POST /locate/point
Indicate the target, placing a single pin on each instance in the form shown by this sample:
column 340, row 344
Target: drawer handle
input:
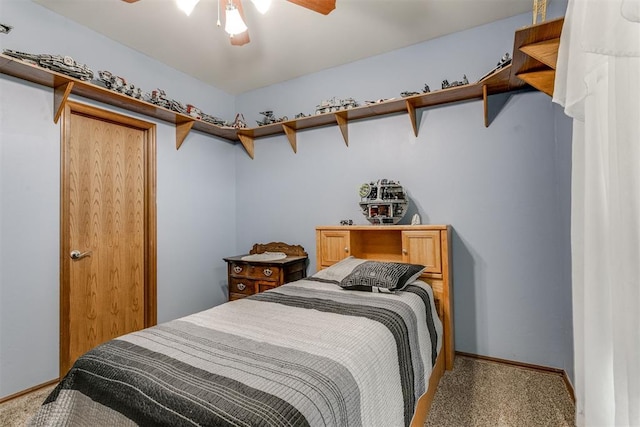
column 346, row 249
column 267, row 272
column 237, row 269
column 241, row 286
column 404, row 251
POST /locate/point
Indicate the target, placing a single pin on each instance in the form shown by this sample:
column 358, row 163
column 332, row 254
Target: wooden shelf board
column 542, row 80
column 501, row 81
column 535, row 54
column 447, row 96
column 227, row 133
column 533, row 34
column 545, row 51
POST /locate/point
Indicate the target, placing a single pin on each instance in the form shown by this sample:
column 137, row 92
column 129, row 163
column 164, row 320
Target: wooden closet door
column 106, row 205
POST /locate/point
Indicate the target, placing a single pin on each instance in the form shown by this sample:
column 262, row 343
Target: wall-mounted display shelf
column 535, row 53
column 534, row 58
column 496, row 83
column 64, row 85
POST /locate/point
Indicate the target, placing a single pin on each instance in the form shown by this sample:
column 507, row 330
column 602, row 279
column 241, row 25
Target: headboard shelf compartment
column 428, row 245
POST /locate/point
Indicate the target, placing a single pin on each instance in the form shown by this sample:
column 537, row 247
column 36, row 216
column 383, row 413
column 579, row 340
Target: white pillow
column 339, row 270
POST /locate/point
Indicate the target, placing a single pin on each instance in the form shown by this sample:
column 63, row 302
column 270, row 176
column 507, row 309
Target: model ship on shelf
column 383, row 202
column 58, row 63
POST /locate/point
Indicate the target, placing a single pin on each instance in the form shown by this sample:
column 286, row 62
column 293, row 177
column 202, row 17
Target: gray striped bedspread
column 305, row 354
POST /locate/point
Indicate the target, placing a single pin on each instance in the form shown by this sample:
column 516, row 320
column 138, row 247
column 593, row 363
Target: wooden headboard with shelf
column 428, row 245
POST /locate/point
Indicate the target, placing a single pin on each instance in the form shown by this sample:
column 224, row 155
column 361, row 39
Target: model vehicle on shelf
column 159, row 97
column 194, row 112
column 332, row 105
column 58, row 63
column 504, row 61
column 214, row 120
column 455, row 83
column 118, row 84
column 408, row 93
column 378, row 101
column 269, row 118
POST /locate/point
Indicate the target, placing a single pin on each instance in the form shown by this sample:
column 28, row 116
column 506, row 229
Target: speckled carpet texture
column 475, row 393
column 488, row 394
column 16, row 412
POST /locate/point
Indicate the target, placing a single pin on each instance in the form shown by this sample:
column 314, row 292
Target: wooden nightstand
column 251, row 277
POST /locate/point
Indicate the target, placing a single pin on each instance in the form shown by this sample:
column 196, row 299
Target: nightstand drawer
column 242, row 286
column 255, row 271
column 266, row 286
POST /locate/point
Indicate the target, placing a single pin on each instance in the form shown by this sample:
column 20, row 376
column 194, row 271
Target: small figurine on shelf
column 446, row 84
column 239, row 122
column 300, row 116
column 426, row 89
column 504, row 61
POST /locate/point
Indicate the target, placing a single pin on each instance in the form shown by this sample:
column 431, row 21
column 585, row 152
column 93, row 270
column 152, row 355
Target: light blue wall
column 195, row 194
column 504, row 189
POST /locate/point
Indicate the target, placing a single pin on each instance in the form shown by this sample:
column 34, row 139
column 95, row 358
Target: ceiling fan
column 233, row 12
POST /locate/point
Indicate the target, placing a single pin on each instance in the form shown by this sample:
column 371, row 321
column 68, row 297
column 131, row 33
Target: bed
column 322, row 351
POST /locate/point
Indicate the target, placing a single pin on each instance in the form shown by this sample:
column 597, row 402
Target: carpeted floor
column 475, row 393
column 489, row 394
column 16, row 412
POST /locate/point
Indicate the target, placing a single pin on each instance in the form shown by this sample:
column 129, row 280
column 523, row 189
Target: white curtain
column 598, row 83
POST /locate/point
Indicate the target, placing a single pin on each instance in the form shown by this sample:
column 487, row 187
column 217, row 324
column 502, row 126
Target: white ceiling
column 289, row 41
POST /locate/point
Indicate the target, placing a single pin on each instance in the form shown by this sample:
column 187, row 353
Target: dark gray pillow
column 391, row 276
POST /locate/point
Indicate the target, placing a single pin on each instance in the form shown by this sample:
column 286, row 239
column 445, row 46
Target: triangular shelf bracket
column 291, row 136
column 60, row 96
column 247, row 143
column 182, row 130
column 493, row 108
column 343, row 124
column 413, row 116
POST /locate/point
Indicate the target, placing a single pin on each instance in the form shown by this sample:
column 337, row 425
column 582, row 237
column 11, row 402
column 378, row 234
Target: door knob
column 76, row 255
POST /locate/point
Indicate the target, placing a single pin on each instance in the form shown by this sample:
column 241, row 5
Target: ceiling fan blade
column 242, row 38
column 321, row 6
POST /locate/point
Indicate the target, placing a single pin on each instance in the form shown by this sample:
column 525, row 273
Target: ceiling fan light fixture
column 187, row 5
column 262, row 5
column 233, row 21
